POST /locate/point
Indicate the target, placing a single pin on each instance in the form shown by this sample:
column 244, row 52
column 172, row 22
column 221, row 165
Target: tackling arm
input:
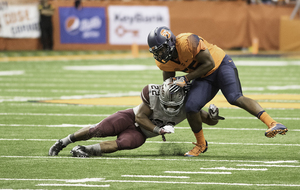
column 206, row 63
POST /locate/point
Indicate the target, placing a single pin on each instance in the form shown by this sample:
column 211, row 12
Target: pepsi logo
column 72, row 25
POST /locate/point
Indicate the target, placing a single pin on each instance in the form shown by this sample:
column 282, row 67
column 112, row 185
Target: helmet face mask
column 171, row 103
column 161, row 43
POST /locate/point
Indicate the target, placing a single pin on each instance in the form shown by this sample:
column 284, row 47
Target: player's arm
column 167, row 75
column 206, row 63
column 142, row 117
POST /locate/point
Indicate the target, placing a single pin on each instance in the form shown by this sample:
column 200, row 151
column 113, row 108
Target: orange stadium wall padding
column 227, row 24
column 289, row 34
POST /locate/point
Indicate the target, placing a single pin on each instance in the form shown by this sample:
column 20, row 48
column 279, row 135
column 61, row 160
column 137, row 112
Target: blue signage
column 85, row 26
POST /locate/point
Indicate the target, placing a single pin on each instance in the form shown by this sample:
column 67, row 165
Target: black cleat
column 56, row 148
column 79, row 151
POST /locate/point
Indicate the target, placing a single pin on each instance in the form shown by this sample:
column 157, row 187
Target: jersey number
column 154, row 90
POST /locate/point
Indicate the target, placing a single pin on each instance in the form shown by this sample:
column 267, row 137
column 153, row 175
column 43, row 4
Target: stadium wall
column 227, row 24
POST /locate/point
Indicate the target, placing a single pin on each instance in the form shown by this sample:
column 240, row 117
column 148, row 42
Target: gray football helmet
column 171, row 102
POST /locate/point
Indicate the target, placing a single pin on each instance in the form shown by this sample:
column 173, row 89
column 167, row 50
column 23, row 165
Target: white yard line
column 154, row 176
column 104, row 115
column 70, row 185
column 56, row 114
column 202, row 183
column 236, row 169
column 266, row 165
column 97, row 115
column 190, row 172
column 161, row 142
column 150, row 159
column 156, row 182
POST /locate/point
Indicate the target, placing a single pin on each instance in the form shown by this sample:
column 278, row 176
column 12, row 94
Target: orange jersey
column 188, row 45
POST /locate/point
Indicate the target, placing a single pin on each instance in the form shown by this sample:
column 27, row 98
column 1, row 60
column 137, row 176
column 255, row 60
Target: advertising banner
column 19, row 21
column 85, row 26
column 132, row 24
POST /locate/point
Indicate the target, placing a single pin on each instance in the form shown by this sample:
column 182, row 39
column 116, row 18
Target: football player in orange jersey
column 210, row 69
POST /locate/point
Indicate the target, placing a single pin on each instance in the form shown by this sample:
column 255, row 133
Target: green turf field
column 239, row 155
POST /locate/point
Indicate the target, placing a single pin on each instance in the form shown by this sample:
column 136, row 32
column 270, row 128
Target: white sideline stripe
column 266, row 63
column 9, row 73
column 237, row 169
column 101, row 115
column 279, row 118
column 83, row 105
column 162, row 182
column 148, row 159
column 36, row 104
column 111, row 68
column 265, row 165
column 61, row 180
column 276, row 162
column 162, row 142
column 189, row 172
column 201, row 183
column 154, row 176
column 55, row 114
column 70, row 185
column 77, row 125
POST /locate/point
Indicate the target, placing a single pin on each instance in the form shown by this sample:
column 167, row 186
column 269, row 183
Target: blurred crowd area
column 274, row 2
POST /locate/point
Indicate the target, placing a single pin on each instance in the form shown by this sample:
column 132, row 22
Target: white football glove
column 168, row 129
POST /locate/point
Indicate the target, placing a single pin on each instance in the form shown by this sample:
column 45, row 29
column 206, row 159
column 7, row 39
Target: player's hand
column 168, row 129
column 163, row 131
column 213, row 112
column 187, row 88
column 179, row 82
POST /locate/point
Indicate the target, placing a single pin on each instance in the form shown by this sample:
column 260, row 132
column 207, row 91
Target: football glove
column 179, row 82
column 168, row 129
column 213, row 112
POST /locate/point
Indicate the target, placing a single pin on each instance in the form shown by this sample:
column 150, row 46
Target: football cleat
column 275, row 129
column 79, row 151
column 199, row 148
column 56, row 148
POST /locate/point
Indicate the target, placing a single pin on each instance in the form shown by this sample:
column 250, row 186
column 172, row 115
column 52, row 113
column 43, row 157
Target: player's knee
column 191, row 108
column 233, row 100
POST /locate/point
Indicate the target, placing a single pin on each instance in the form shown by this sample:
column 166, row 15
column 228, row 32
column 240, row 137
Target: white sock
column 66, row 141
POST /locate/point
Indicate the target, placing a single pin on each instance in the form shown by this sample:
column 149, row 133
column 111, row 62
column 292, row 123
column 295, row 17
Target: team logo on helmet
column 165, row 33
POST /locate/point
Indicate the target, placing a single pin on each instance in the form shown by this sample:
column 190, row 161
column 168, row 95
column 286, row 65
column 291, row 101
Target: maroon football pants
column 122, row 125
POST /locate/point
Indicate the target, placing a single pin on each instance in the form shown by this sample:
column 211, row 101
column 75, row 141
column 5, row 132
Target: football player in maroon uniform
column 210, row 69
column 158, row 113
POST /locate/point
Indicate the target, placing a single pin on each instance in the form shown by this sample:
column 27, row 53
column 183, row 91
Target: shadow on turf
column 172, row 149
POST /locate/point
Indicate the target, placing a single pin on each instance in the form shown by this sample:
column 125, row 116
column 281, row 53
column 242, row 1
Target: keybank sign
column 131, row 24
column 138, row 18
column 87, row 26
